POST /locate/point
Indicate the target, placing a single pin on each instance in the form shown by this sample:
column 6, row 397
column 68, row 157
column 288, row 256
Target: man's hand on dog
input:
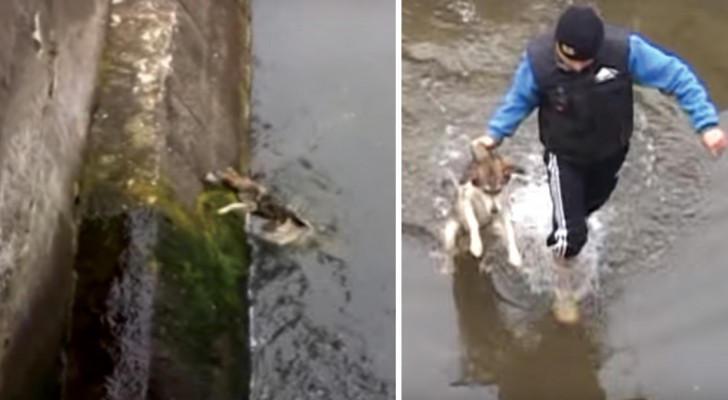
column 715, row 140
column 487, row 141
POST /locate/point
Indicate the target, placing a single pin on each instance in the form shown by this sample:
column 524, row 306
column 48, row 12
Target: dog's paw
column 245, row 207
column 476, row 248
column 447, row 268
column 449, row 235
column 515, row 259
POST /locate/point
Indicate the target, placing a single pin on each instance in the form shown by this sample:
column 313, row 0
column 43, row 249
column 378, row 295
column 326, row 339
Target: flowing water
column 324, row 139
column 653, row 320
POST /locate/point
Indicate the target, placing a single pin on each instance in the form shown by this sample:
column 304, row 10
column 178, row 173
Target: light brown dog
column 482, row 201
column 282, row 226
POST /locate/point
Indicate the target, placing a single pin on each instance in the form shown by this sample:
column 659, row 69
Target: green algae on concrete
column 197, row 261
column 203, row 265
column 169, row 273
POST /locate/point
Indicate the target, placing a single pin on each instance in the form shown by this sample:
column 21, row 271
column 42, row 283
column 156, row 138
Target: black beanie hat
column 581, row 29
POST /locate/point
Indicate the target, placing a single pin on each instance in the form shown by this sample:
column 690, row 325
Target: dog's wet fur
column 282, row 225
column 482, row 202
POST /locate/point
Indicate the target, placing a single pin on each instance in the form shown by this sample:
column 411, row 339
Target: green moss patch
column 200, row 260
column 203, row 263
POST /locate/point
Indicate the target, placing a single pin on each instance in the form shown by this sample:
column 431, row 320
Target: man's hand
column 715, row 140
column 486, row 141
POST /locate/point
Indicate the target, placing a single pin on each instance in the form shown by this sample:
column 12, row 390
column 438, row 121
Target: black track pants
column 577, row 190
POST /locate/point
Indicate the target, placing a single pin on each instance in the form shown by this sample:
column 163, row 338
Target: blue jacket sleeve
column 518, row 102
column 654, row 67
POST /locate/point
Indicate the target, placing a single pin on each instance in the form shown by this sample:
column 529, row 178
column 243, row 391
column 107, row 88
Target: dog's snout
column 494, row 209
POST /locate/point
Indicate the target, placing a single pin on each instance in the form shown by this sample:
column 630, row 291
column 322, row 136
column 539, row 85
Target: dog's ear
column 472, row 176
column 509, row 169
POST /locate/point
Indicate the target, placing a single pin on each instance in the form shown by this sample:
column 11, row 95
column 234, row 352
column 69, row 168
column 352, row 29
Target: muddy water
column 460, row 340
column 324, row 104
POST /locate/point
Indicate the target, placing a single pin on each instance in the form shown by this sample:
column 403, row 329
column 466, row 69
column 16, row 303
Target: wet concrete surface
column 462, row 341
column 48, row 57
column 324, row 109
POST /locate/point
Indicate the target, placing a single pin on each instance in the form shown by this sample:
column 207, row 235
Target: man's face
column 564, row 51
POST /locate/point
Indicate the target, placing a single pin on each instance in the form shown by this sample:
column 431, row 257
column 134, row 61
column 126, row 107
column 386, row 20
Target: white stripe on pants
column 561, row 234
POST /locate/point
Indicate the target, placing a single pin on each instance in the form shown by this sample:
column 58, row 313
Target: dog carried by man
column 482, row 202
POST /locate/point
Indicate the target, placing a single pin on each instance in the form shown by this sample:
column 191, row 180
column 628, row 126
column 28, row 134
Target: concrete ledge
column 160, row 311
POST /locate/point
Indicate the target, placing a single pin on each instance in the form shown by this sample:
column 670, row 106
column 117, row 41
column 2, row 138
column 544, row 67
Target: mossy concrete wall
column 131, row 102
column 161, row 284
column 48, row 60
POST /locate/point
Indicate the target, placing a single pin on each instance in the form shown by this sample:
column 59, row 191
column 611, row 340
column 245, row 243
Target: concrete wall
column 165, row 103
column 46, row 91
column 172, row 106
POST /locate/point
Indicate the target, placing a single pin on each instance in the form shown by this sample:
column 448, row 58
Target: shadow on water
column 557, row 363
column 479, row 355
column 114, row 309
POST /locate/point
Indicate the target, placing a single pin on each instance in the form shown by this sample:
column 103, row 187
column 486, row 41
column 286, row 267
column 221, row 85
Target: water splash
column 464, row 9
column 531, row 210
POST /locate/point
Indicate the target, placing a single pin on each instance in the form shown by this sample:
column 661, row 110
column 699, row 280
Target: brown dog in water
column 283, row 226
column 482, row 201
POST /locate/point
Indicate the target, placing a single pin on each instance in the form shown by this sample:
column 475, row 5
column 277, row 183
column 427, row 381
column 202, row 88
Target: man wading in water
column 580, row 76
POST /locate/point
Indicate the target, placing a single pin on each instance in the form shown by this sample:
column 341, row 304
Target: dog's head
column 490, row 173
column 242, row 184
